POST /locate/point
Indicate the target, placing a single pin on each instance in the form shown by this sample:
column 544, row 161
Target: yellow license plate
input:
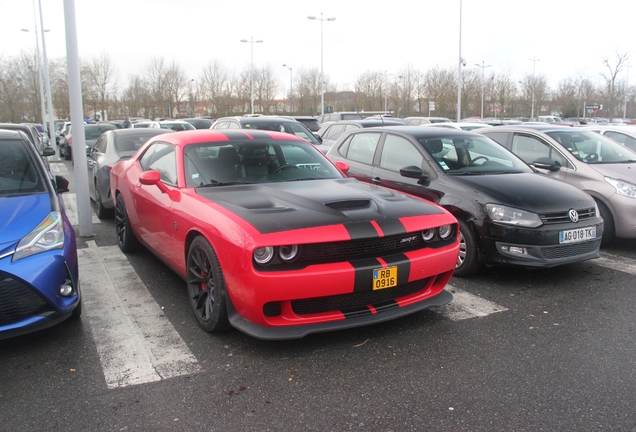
column 384, row 278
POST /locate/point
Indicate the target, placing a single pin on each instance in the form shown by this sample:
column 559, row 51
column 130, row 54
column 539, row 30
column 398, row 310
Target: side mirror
column 48, row 151
column 61, row 184
column 342, row 166
column 414, row 172
column 89, row 150
column 152, row 177
column 546, row 163
column 318, row 137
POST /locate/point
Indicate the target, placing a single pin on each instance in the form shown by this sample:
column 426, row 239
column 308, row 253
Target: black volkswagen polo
column 508, row 212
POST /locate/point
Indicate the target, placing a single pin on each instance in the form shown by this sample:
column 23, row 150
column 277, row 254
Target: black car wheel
column 125, row 237
column 467, row 260
column 67, row 152
column 608, row 226
column 101, row 211
column 206, row 287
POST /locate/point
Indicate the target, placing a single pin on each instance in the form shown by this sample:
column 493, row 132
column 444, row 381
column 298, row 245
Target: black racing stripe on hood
column 362, row 229
column 364, row 274
column 276, row 207
column 391, row 226
column 385, row 306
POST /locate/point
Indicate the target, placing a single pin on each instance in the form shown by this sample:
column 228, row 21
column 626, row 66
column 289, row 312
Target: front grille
column 564, row 217
column 344, row 302
column 18, row 300
column 570, row 250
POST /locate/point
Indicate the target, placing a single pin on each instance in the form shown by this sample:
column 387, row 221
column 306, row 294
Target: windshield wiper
column 214, row 183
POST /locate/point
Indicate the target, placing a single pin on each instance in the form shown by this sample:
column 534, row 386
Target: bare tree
column 308, row 85
column 101, row 77
column 266, row 88
column 216, row 87
column 614, row 66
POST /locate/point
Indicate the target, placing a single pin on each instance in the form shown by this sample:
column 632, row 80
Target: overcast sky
column 567, row 36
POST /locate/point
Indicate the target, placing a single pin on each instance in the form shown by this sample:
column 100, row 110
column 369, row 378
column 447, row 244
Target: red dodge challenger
column 273, row 239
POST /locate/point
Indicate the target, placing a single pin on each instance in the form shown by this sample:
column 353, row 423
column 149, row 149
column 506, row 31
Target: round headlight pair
column 444, row 232
column 264, row 255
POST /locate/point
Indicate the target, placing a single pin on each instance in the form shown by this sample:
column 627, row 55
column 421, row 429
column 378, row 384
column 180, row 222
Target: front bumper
column 538, row 247
column 325, row 297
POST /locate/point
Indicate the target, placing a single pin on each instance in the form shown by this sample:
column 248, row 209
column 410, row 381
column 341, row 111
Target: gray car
column 593, row 163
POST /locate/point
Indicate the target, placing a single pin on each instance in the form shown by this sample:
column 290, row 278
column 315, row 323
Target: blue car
column 39, row 281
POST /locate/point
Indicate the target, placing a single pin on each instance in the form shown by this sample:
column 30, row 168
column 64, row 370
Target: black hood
column 274, row 207
column 527, row 191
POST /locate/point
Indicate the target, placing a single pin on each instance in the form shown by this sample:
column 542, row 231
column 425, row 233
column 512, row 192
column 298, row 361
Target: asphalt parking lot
column 518, row 349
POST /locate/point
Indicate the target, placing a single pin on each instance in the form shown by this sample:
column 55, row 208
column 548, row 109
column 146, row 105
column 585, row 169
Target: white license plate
column 577, row 235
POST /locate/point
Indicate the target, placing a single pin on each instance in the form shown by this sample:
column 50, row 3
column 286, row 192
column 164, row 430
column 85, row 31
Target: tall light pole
column 626, row 94
column 462, row 62
column 291, row 90
column 191, row 98
column 483, row 66
column 39, row 68
column 252, row 42
column 47, row 81
column 322, row 72
column 534, row 83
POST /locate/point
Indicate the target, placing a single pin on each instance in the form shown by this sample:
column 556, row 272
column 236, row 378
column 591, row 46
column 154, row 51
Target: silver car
column 594, row 163
column 625, row 135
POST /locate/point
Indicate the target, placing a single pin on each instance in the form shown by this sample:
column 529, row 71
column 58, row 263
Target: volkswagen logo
column 574, row 216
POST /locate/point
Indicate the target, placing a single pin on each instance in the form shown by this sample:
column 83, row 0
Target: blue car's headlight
column 46, row 236
column 512, row 216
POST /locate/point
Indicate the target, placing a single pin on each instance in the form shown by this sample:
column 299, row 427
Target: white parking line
column 466, row 306
column 135, row 341
column 70, row 204
column 615, row 262
column 58, row 168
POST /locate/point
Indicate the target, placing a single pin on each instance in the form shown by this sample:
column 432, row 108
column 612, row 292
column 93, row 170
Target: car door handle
column 376, row 180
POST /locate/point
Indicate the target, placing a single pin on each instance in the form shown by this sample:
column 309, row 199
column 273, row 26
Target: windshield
column 263, row 161
column 592, row 148
column 18, row 173
column 295, row 128
column 462, row 154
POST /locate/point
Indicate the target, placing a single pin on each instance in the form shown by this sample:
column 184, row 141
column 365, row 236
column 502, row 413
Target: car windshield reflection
column 462, row 155
column 593, row 148
column 214, row 164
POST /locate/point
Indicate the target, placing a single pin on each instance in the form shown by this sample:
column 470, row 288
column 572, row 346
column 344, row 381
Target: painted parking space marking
column 58, row 168
column 135, row 341
column 70, row 205
column 466, row 306
column 616, row 262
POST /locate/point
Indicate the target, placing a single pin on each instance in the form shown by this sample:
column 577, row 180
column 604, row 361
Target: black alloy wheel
column 206, row 287
column 125, row 237
column 608, row 225
column 101, row 211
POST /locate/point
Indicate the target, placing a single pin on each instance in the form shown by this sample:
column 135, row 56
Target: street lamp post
column 291, row 90
column 252, row 42
column 322, row 72
column 534, row 83
column 462, row 62
column 483, row 66
column 191, row 98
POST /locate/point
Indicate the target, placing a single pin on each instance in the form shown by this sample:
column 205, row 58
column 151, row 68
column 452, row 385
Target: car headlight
column 48, row 235
column 622, row 187
column 263, row 255
column 288, row 253
column 428, row 234
column 445, row 231
column 512, row 216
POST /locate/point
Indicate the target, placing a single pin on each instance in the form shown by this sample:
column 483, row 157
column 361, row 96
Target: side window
column 362, row 147
column 498, row 137
column 398, row 153
column 100, row 145
column 334, row 131
column 161, row 157
column 530, row 149
column 233, row 125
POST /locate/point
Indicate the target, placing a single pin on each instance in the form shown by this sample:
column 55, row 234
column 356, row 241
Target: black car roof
column 423, row 132
column 140, row 131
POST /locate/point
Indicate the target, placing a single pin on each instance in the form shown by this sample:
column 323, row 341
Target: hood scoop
column 349, row 204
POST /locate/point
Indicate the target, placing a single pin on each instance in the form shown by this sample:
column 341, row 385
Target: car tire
column 206, row 286
column 126, row 239
column 468, row 259
column 608, row 226
column 101, row 211
column 67, row 153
